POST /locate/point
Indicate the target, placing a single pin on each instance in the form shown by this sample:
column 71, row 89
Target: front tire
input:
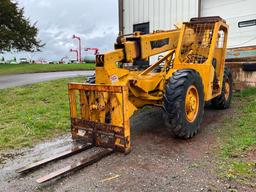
column 184, row 103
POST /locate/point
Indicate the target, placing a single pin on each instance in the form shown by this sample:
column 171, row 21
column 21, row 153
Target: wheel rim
column 192, row 103
column 227, row 90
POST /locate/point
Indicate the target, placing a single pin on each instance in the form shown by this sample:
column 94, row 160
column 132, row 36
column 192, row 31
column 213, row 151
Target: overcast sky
column 96, row 22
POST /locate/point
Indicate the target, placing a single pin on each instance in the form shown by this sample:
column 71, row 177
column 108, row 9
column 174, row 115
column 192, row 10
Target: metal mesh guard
column 196, row 42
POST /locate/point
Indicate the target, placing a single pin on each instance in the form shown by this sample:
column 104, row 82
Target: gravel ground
column 157, row 162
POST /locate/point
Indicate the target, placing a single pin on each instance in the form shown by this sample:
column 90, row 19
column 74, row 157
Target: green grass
column 36, row 68
column 238, row 139
column 241, row 171
column 29, row 114
column 241, row 134
column 247, row 92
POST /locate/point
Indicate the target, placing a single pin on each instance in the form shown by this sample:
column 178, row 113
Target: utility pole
column 76, row 51
column 79, row 47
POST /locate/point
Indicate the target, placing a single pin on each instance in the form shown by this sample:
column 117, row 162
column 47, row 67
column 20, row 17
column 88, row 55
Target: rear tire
column 224, row 99
column 184, row 103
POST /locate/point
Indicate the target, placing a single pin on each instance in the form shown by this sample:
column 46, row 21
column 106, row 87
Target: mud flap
column 100, row 115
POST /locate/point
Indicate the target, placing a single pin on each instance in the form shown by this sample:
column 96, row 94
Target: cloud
column 96, row 22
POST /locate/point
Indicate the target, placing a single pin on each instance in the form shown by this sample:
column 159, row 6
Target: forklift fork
column 99, row 118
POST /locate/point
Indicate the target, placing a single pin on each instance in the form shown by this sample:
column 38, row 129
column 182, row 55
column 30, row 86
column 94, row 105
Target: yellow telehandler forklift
column 191, row 72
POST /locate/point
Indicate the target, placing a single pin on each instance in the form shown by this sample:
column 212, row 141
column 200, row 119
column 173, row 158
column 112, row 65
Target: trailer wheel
column 224, row 99
column 184, row 103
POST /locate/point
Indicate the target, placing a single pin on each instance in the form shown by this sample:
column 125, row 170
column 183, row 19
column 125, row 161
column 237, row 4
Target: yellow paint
column 184, row 48
column 192, row 103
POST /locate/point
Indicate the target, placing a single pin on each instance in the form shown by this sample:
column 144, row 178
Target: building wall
column 161, row 14
column 234, row 11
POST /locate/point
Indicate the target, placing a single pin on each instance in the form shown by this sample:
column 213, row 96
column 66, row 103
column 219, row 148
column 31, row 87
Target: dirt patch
column 158, row 162
column 251, row 156
column 9, row 156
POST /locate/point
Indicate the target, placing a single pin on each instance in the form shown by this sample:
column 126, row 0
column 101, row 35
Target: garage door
column 239, row 14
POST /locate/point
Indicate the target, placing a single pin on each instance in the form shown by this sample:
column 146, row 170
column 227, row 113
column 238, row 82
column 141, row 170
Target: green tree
column 16, row 31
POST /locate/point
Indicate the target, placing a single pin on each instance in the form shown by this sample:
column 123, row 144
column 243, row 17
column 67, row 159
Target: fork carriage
column 103, row 118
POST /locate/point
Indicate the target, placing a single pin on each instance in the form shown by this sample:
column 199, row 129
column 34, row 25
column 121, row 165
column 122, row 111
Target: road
column 7, row 81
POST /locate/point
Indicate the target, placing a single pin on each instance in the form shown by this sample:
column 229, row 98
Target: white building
column 149, row 15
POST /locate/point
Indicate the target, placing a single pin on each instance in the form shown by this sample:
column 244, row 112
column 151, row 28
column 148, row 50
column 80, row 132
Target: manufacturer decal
column 114, row 79
column 159, row 43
